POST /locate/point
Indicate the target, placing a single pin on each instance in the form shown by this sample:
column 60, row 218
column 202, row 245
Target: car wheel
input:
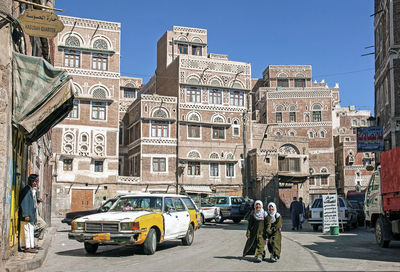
column 315, row 227
column 236, row 220
column 150, row 244
column 202, row 219
column 91, row 248
column 189, row 237
column 379, row 231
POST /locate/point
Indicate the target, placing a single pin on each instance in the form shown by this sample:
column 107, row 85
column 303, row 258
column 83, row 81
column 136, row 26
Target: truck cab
column 373, row 200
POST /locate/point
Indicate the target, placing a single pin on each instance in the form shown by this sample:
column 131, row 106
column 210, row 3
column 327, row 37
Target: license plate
column 102, row 237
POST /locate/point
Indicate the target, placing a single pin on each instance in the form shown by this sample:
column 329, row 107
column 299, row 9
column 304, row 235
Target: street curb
column 25, row 265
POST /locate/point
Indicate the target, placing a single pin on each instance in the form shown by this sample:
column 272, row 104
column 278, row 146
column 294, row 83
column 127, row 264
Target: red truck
column 382, row 199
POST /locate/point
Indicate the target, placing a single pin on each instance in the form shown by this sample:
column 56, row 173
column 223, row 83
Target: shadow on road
column 238, row 258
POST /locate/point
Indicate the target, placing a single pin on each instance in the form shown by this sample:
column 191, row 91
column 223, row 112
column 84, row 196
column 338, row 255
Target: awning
column 43, row 95
column 200, row 189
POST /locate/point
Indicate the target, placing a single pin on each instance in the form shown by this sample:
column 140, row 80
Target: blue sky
column 329, row 35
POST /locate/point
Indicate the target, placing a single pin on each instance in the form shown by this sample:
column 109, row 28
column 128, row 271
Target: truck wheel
column 379, row 234
column 189, row 237
column 91, row 248
column 237, row 220
column 150, row 244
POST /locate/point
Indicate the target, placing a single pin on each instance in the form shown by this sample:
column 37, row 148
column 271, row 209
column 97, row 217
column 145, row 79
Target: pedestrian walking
column 295, row 210
column 302, row 215
column 273, row 232
column 255, row 233
column 28, row 213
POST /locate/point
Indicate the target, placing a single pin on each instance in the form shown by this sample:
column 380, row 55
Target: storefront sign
column 285, row 184
column 369, row 139
column 330, row 212
column 40, row 23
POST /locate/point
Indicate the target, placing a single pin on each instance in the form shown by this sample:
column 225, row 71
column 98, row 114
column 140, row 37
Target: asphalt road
column 218, row 247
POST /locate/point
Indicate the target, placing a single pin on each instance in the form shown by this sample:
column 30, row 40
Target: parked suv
column 231, row 207
column 347, row 215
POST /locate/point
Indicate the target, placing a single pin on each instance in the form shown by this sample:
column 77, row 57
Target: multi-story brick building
column 194, row 117
column 351, row 166
column 387, row 69
column 293, row 106
column 86, row 143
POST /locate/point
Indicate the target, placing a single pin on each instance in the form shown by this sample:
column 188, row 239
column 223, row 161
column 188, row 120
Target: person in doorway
column 28, row 213
column 40, row 224
column 302, row 215
column 273, row 232
column 255, row 233
column 295, row 210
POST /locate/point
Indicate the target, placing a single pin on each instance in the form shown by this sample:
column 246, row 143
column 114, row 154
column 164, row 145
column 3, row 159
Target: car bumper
column 319, row 222
column 114, row 238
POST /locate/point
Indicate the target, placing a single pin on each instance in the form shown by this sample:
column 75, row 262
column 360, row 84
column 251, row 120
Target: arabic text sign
column 330, row 212
column 369, row 139
column 40, row 23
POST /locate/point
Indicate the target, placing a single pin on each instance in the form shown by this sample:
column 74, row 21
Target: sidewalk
column 21, row 261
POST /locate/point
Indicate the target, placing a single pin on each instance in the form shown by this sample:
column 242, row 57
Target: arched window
column 324, row 170
column 194, row 116
column 193, row 80
column 214, row 155
column 282, row 80
column 230, row 156
column 292, row 114
column 292, row 133
column 99, row 93
column 160, row 113
column 218, row 119
column 317, row 114
column 354, row 122
column 311, row 133
column 100, row 44
column 278, row 114
column 288, row 149
column 72, row 41
column 322, row 134
column 194, row 154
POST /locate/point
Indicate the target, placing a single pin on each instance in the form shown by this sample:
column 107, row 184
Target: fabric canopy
column 43, row 95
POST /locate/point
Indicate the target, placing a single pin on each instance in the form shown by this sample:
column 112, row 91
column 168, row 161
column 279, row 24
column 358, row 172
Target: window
column 159, row 129
column 189, row 204
column 72, row 58
column 283, row 82
column 100, row 44
column 67, row 164
column 230, row 169
column 196, row 50
column 159, row 165
column 289, row 164
column 236, row 131
column 72, row 41
column 75, row 110
column 322, row 134
column 215, row 96
column 363, row 123
column 237, row 98
column 193, row 131
column 317, row 115
column 278, row 117
column 292, row 117
column 312, row 180
column 98, row 110
column 179, row 205
column 324, row 180
column 98, row 166
column 100, row 62
column 311, row 134
column 193, row 95
column 218, row 133
column 193, row 169
column 300, row 82
column 183, row 48
column 129, row 93
column 354, row 123
column 168, row 205
column 214, row 169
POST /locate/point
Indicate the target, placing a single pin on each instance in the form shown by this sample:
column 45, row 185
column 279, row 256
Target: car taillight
column 346, row 213
column 135, row 226
column 229, row 209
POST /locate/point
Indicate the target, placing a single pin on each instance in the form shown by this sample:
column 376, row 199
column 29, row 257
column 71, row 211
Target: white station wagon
column 140, row 219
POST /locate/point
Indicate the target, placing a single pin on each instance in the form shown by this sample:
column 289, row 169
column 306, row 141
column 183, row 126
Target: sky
column 330, row 35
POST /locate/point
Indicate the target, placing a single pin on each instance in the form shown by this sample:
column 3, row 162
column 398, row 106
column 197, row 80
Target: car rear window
column 237, row 200
column 317, row 203
column 218, row 200
column 189, row 204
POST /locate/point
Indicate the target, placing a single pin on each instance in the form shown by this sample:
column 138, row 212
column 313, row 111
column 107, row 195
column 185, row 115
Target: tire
column 150, row 244
column 315, row 227
column 379, row 234
column 189, row 237
column 202, row 219
column 219, row 219
column 236, row 220
column 91, row 248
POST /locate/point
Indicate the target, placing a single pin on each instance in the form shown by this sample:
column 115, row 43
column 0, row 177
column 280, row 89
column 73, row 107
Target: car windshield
column 218, row 200
column 138, row 203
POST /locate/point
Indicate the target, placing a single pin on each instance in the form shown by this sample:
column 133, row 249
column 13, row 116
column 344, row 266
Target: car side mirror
column 104, row 209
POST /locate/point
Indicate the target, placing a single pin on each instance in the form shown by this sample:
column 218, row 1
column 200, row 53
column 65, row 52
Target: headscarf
column 274, row 214
column 259, row 215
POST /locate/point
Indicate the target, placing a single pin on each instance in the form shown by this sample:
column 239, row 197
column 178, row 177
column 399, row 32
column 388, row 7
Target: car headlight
column 78, row 226
column 127, row 226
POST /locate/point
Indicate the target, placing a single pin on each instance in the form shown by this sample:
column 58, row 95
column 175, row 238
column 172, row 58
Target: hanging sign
column 40, row 23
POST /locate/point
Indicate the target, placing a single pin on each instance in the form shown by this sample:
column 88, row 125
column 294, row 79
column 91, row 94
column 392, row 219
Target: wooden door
column 285, row 198
column 81, row 200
